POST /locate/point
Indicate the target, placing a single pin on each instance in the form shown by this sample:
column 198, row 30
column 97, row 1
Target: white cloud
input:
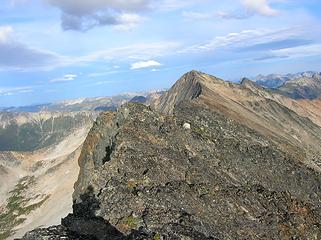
column 245, row 38
column 261, row 7
column 82, row 15
column 231, row 39
column 299, row 51
column 194, row 15
column 85, row 7
column 252, row 7
column 141, row 51
column 127, row 21
column 170, row 5
column 5, row 32
column 15, row 90
column 197, row 15
column 65, row 78
column 145, row 64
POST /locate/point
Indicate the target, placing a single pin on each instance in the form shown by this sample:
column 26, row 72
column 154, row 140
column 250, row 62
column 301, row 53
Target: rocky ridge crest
column 145, row 176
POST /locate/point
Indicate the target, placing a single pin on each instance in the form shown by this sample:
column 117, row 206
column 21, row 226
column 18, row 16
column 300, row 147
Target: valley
column 33, row 182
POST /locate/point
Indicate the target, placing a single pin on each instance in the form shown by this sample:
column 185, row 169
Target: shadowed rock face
column 143, row 175
column 186, row 88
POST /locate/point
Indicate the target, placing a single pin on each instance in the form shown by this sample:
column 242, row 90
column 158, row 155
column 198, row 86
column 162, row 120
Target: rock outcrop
column 145, row 175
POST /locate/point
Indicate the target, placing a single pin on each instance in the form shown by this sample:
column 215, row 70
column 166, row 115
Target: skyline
column 52, row 50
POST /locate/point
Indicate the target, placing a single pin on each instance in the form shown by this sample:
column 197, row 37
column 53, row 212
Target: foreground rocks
column 144, row 176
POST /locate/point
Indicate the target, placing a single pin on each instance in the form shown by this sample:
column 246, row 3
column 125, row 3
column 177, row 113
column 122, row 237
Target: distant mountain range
column 277, row 80
column 87, row 104
column 303, row 85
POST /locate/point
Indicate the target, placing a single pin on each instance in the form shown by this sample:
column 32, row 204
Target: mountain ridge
column 303, row 85
column 256, row 107
column 208, row 160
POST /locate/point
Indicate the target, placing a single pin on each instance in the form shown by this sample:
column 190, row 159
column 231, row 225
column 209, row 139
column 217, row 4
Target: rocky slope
column 33, row 182
column 207, row 164
column 269, row 114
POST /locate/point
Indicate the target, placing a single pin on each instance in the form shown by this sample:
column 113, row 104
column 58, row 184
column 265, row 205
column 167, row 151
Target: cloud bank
column 15, row 90
column 83, row 15
column 145, row 64
column 261, row 7
column 65, row 78
column 249, row 9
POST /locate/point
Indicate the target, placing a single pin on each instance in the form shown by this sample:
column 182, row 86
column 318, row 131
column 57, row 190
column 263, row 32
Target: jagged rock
column 51, row 233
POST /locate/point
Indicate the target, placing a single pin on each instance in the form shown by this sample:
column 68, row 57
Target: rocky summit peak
column 200, row 77
column 190, row 86
column 246, row 81
column 193, row 74
column 251, row 85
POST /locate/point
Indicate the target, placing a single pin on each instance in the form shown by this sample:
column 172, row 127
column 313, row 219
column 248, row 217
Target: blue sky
column 60, row 49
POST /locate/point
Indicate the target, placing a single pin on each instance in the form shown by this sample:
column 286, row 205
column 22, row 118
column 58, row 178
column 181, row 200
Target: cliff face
column 198, row 173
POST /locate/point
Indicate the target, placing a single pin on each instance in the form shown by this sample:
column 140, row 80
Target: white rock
column 187, row 126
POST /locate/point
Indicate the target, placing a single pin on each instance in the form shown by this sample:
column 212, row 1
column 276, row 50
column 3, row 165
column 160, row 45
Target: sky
column 52, row 50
